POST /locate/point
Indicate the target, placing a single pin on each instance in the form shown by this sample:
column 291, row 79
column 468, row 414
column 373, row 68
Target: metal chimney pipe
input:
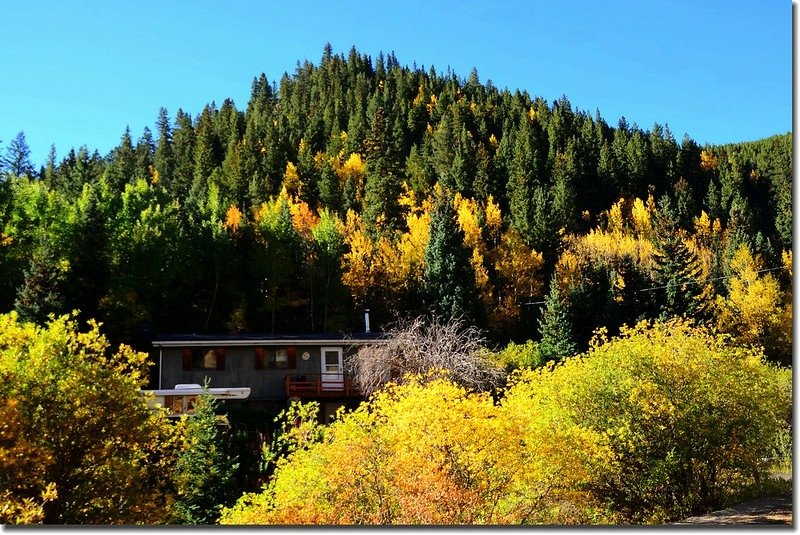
column 366, row 320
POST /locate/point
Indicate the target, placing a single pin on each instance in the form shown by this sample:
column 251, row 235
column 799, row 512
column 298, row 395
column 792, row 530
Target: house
column 276, row 368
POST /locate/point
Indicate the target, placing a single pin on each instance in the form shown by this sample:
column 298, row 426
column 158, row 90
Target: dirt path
column 774, row 510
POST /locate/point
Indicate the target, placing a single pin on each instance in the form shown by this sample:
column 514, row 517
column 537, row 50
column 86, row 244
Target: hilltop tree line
column 360, row 183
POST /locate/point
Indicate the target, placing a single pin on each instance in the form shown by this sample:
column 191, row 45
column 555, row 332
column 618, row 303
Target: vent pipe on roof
column 366, row 320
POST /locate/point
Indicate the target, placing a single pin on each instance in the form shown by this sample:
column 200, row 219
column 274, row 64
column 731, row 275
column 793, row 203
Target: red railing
column 318, row 385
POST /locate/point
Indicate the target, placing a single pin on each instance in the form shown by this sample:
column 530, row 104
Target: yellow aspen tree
column 640, row 217
column 412, row 243
column 357, row 261
column 754, row 312
column 708, row 162
column 518, row 269
column 616, row 220
column 233, row 219
column 291, row 180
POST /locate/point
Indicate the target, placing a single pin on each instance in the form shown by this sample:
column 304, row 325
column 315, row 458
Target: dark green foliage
column 141, row 234
column 17, row 160
column 448, row 281
column 42, row 292
column 382, row 188
column 682, row 288
column 205, row 473
column 555, row 327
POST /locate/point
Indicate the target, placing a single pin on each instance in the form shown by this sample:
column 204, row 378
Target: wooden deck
column 318, row 385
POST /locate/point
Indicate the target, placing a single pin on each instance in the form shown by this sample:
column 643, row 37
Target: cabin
column 275, row 368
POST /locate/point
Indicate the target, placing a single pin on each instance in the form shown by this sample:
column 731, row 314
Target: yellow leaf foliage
column 708, row 162
column 755, row 311
column 76, row 431
column 660, row 397
column 518, row 269
column 640, row 218
column 291, row 180
column 425, row 453
column 233, row 218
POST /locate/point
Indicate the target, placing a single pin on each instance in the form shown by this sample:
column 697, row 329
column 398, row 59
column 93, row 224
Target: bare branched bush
column 431, row 347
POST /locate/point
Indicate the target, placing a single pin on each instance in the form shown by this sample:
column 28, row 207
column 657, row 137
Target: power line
column 653, row 288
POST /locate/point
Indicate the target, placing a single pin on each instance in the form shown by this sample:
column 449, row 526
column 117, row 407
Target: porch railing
column 320, row 385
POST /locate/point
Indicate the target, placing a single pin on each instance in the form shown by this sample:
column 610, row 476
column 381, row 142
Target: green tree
column 682, row 289
column 17, row 160
column 555, row 327
column 448, row 281
column 164, row 161
column 42, row 292
column 204, row 471
column 382, row 189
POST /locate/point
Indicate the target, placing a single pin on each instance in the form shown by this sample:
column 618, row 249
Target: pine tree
column 183, row 145
column 682, row 290
column 144, row 155
column 205, row 472
column 448, row 281
column 123, row 164
column 164, row 157
column 17, row 160
column 383, row 184
column 555, row 327
column 42, row 292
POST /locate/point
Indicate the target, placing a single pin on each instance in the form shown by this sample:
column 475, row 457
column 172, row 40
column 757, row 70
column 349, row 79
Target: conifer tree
column 144, row 156
column 382, row 188
column 555, row 327
column 682, row 290
column 448, row 281
column 164, row 162
column 183, row 145
column 42, row 292
column 204, row 472
column 17, row 160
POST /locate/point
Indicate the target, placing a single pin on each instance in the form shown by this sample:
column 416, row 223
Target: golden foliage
column 640, row 217
column 755, row 311
column 233, row 218
column 708, row 162
column 75, row 431
column 518, row 268
column 423, row 453
column 291, row 180
column 661, row 400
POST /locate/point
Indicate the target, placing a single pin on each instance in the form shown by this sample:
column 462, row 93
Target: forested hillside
column 360, row 183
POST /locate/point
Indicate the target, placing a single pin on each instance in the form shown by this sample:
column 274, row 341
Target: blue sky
column 76, row 73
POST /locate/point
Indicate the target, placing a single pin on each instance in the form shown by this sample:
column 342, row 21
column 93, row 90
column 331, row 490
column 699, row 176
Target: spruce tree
column 17, row 160
column 555, row 327
column 164, row 158
column 448, row 281
column 204, row 474
column 383, row 183
column 42, row 292
column 681, row 290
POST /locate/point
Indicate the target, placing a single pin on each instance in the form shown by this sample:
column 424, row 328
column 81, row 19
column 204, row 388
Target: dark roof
column 267, row 339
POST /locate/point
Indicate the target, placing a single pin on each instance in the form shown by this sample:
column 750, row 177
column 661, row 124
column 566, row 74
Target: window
column 279, row 357
column 198, row 358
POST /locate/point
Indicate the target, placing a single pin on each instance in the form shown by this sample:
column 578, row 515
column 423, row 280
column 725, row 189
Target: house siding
column 265, row 384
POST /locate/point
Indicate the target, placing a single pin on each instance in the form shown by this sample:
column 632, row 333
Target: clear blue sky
column 78, row 72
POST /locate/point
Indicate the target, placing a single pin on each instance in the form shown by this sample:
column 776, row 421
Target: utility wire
column 653, row 288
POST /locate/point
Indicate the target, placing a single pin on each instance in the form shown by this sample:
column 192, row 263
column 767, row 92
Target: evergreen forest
column 626, row 297
column 358, row 183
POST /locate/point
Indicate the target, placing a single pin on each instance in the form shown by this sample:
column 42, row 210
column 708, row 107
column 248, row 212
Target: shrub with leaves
column 689, row 417
column 78, row 444
column 430, row 452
